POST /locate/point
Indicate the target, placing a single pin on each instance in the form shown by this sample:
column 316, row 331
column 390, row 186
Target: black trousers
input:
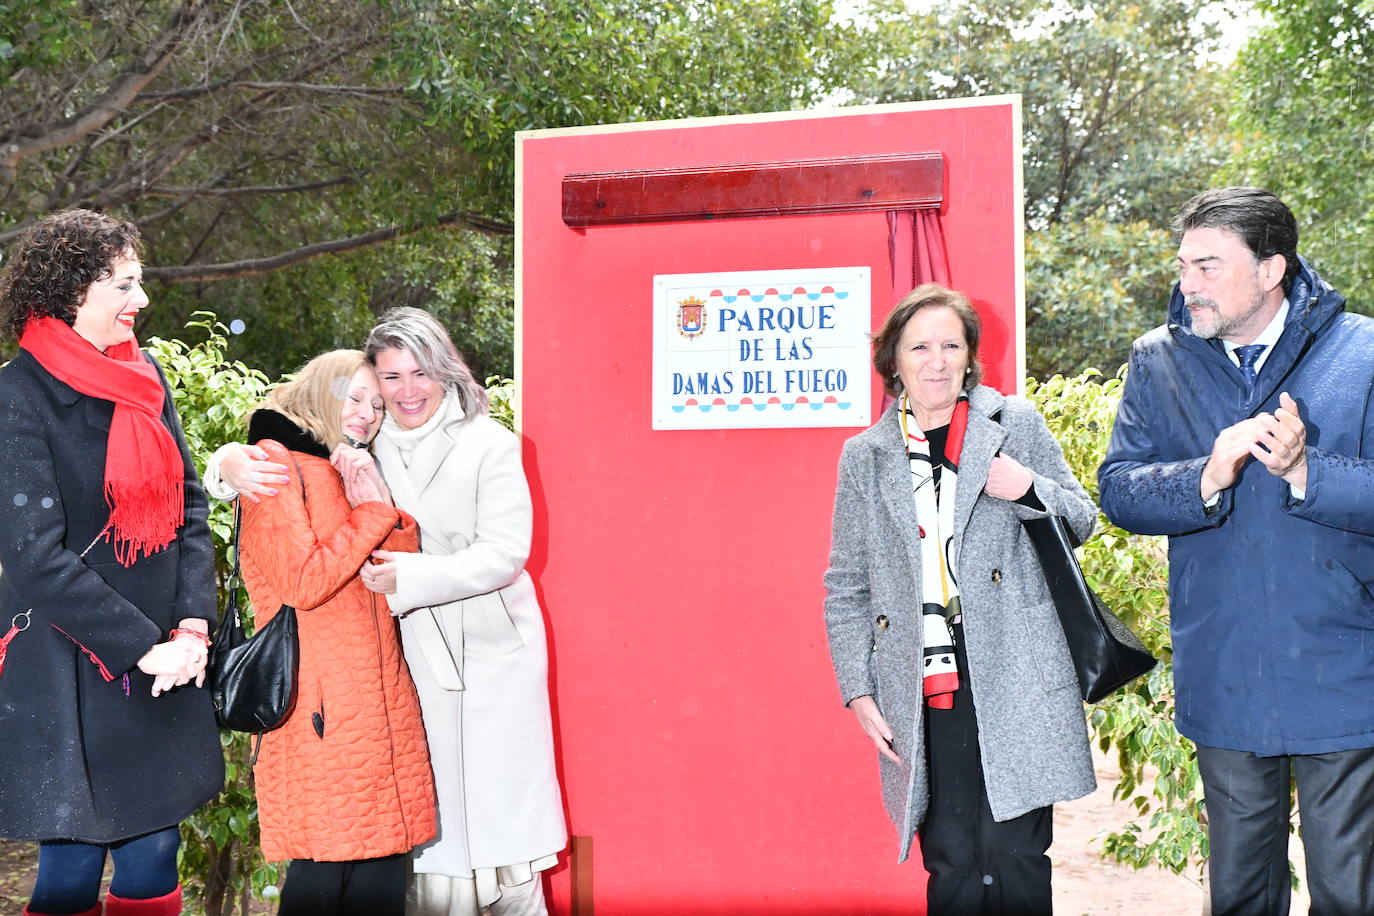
column 977, row 865
column 1248, row 800
column 363, row 887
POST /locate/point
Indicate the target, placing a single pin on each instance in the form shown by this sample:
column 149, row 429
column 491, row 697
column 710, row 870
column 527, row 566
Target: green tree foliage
column 501, row 401
column 1121, row 111
column 1092, row 287
column 302, row 166
column 1129, row 573
column 36, row 35
column 1122, row 123
column 1304, row 120
column 522, row 64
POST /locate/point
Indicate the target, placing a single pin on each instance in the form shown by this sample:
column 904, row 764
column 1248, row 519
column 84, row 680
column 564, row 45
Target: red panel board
column 701, row 740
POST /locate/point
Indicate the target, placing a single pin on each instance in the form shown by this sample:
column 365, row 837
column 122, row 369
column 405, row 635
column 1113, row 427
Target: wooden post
column 580, row 864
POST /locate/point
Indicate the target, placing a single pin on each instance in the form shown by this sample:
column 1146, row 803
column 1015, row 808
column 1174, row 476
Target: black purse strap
column 232, row 615
column 238, row 519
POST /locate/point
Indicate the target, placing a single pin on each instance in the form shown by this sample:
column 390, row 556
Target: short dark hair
column 54, row 261
column 1260, row 219
column 926, row 296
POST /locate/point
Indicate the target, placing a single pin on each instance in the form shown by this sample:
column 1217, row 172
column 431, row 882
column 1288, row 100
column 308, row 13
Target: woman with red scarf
column 107, row 594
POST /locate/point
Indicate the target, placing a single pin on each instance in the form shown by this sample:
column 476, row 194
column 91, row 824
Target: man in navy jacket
column 1245, row 434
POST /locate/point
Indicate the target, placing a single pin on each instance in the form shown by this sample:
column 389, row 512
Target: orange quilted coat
column 347, row 776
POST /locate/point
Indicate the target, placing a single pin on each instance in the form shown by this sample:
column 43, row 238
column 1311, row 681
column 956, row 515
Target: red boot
column 166, row 905
column 93, row 911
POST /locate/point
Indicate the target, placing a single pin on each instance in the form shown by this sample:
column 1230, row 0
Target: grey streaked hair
column 418, row 333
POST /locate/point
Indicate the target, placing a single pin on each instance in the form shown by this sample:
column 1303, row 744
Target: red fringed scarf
column 143, row 470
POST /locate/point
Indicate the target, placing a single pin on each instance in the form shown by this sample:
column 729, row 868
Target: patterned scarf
column 934, row 487
column 144, row 476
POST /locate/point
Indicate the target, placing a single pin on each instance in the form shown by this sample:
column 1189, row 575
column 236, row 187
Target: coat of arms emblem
column 691, row 317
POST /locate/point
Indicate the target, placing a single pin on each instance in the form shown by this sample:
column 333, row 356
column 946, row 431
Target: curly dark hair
column 55, row 260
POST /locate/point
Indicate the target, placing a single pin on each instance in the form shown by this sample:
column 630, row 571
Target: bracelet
column 203, row 637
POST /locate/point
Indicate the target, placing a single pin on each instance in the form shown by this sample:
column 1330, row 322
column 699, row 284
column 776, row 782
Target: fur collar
column 269, row 424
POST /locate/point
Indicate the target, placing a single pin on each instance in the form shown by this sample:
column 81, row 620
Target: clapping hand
column 1282, row 445
column 1232, row 448
column 1277, row 440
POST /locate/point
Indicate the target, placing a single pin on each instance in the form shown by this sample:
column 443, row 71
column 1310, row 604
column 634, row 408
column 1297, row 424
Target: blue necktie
column 1247, row 356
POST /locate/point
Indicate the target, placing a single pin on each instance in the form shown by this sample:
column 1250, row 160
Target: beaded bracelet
column 203, row 637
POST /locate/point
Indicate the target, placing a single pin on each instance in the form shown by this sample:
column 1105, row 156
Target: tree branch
column 209, row 273
column 31, row 140
column 13, row 232
column 190, row 92
column 315, row 87
column 1068, row 167
column 161, row 191
column 138, row 176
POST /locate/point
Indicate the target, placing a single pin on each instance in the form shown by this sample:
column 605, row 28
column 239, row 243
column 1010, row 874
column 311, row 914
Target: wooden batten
column 902, row 181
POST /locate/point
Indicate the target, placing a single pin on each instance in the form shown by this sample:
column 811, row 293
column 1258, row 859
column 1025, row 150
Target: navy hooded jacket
column 1269, row 597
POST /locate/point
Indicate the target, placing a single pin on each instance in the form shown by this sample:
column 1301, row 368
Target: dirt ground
column 16, row 875
column 1084, row 885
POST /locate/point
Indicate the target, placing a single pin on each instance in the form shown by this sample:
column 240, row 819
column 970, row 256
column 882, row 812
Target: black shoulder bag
column 253, row 678
column 1106, row 654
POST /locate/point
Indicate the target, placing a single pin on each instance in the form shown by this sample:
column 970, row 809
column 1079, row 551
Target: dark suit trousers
column 978, row 866
column 1247, row 802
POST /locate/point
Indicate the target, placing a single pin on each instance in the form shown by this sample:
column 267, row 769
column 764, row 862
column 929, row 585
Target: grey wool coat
column 1032, row 732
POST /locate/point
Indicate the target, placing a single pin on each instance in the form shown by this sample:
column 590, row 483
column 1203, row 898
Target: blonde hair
column 418, row 333
column 314, row 399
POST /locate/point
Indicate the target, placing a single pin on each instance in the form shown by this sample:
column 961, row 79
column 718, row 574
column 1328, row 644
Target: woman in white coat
column 471, row 625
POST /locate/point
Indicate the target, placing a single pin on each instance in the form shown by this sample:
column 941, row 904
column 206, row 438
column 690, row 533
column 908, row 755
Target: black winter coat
column 81, row 759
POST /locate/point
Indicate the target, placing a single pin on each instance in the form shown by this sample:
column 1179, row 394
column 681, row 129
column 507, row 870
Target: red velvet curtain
column 929, row 260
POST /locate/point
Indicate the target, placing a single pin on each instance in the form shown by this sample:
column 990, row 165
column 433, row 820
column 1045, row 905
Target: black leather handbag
column 253, row 678
column 1106, row 654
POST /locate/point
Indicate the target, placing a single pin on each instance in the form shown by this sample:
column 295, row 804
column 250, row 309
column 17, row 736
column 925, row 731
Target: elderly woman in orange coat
column 344, row 786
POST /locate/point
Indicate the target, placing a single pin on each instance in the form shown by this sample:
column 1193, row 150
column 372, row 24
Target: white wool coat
column 474, row 638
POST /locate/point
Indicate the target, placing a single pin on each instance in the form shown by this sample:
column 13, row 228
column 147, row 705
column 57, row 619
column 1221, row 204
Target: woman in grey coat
column 945, row 642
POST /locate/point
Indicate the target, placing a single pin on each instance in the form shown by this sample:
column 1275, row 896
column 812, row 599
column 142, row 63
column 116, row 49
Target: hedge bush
column 1130, row 574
